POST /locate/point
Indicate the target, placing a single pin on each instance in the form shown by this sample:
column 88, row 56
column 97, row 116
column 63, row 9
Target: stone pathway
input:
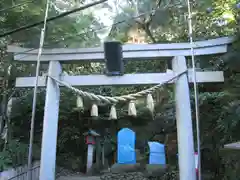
column 79, row 178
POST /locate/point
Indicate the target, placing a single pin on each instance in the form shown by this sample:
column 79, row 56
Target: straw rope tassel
column 79, row 103
column 113, row 113
column 150, row 103
column 132, row 109
column 94, row 110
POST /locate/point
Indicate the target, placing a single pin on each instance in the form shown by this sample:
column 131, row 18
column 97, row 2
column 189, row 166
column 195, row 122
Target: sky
column 104, row 15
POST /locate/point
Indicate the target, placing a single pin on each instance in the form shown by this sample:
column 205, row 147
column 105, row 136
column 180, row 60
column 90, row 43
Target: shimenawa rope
column 115, row 99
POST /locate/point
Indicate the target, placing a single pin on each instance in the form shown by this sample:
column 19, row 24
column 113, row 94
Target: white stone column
column 50, row 124
column 184, row 122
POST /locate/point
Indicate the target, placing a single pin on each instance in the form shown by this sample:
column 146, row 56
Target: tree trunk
column 5, row 120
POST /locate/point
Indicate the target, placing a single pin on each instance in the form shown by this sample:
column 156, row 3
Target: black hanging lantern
column 113, row 58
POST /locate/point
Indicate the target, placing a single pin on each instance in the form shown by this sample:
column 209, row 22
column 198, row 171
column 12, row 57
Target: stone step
column 79, row 178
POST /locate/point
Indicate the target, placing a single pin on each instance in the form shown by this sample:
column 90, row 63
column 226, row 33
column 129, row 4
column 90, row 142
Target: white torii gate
column 130, row 52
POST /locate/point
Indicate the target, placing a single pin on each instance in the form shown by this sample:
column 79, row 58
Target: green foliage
column 5, row 160
column 14, row 154
column 64, row 29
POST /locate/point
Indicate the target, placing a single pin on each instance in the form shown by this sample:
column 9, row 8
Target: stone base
column 155, row 170
column 124, row 168
column 124, row 176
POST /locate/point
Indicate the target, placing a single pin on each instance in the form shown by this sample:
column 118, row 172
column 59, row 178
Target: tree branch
column 146, row 28
column 149, row 19
column 145, row 24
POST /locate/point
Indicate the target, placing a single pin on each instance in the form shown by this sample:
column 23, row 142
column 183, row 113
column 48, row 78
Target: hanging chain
column 195, row 87
column 42, row 36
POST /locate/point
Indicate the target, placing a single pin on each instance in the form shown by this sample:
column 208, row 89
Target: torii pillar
column 184, row 121
column 50, row 124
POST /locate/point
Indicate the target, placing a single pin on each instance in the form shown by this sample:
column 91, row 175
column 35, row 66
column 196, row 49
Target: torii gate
column 130, row 52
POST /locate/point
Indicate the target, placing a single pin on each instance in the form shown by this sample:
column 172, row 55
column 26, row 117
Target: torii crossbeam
column 130, row 52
